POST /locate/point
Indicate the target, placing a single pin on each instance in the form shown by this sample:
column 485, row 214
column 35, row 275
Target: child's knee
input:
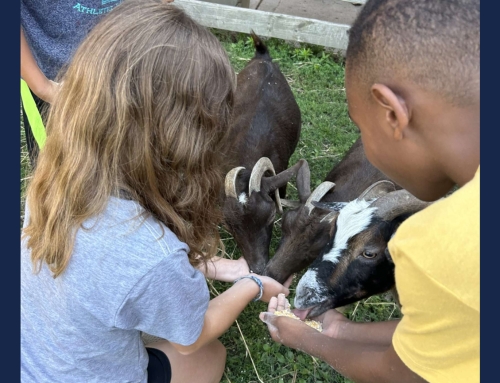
column 220, row 351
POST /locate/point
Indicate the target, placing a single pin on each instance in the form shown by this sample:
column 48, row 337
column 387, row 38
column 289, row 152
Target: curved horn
column 230, row 184
column 290, row 203
column 261, row 166
column 377, row 189
column 397, row 203
column 318, row 193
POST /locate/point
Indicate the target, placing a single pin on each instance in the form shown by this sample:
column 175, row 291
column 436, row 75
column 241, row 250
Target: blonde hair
column 143, row 110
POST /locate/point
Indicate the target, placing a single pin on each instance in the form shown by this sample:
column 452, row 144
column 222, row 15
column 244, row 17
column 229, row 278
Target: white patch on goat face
column 353, row 219
column 243, row 199
column 309, row 292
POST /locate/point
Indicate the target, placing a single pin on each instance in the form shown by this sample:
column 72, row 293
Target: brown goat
column 308, row 226
column 356, row 264
column 265, row 130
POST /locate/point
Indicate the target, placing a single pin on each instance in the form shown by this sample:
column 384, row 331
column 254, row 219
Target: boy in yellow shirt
column 412, row 85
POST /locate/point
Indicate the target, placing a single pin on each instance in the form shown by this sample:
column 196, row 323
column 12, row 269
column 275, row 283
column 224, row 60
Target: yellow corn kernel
column 312, row 323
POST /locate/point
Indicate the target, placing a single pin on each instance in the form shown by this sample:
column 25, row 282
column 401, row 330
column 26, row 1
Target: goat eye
column 369, row 255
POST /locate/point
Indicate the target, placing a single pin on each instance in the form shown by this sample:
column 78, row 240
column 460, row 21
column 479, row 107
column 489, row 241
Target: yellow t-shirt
column 436, row 253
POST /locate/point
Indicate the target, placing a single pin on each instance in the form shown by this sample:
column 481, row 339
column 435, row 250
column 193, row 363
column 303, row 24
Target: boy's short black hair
column 433, row 43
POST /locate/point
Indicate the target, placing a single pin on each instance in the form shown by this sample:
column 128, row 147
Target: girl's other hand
column 240, row 268
column 273, row 288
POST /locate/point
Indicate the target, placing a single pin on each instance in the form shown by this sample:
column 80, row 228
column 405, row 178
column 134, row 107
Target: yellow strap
column 33, row 115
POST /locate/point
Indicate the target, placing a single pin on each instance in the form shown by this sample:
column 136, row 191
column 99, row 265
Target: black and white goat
column 308, row 225
column 265, row 130
column 356, row 263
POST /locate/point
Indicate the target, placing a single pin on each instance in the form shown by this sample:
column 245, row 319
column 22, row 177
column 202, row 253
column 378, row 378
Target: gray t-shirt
column 55, row 28
column 122, row 278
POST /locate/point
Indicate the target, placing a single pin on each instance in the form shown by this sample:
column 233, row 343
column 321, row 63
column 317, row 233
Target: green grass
column 316, row 77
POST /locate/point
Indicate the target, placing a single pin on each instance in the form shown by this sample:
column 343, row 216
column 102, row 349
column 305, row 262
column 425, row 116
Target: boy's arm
column 336, row 325
column 32, row 74
column 365, row 359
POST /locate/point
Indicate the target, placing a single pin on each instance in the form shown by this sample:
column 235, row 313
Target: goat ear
column 304, row 182
column 377, row 190
column 330, row 206
column 269, row 184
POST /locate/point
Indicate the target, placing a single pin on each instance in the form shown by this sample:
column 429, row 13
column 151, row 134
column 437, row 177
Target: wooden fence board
column 223, row 2
column 267, row 24
column 355, row 1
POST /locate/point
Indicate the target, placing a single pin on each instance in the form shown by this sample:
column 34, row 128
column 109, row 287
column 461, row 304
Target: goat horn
column 377, row 189
column 290, row 203
column 230, row 184
column 397, row 203
column 261, row 166
column 318, row 193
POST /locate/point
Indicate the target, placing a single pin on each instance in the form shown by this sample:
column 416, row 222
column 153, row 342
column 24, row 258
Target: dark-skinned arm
column 336, row 325
column 358, row 361
column 363, row 353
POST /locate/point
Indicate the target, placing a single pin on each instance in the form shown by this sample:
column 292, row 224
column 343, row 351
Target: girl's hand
column 224, row 269
column 272, row 287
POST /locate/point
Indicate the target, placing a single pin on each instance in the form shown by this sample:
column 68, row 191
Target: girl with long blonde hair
column 121, row 223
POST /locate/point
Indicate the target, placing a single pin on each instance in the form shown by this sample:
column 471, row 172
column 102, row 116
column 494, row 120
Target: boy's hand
column 285, row 330
column 333, row 323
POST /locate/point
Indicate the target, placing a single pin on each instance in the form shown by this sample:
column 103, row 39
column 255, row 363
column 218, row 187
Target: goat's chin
column 320, row 309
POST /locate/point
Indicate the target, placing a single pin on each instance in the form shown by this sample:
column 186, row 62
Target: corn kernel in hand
column 312, row 323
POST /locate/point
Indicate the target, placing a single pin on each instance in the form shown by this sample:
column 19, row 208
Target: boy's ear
column 397, row 114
